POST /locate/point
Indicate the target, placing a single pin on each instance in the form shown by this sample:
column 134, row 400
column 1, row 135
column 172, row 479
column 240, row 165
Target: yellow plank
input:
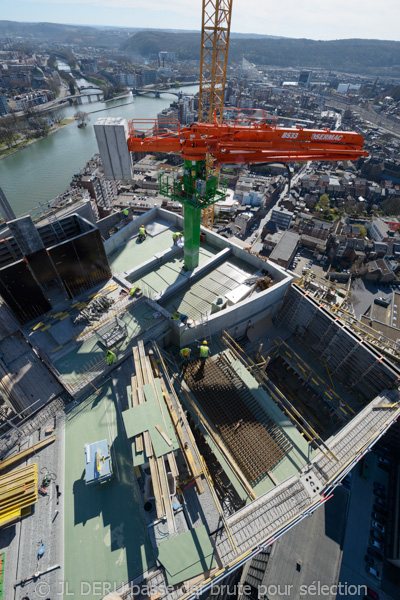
column 138, row 473
column 316, row 382
column 37, row 326
column 44, row 328
column 64, row 317
column 56, row 349
column 58, row 315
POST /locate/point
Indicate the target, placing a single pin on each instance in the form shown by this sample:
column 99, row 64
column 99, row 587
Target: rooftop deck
column 101, row 543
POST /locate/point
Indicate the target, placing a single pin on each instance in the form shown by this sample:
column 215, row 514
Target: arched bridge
column 157, row 92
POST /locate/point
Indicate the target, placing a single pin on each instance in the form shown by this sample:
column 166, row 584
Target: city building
column 4, row 108
column 282, row 218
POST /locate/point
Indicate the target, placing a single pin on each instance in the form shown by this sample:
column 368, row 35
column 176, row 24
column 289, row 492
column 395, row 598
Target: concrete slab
column 106, row 539
column 196, row 300
column 160, row 278
column 133, row 253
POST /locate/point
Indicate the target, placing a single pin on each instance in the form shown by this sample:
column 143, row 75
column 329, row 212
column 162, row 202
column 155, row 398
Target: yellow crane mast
column 215, row 30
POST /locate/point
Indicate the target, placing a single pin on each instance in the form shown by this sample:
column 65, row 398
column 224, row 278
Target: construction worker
column 177, row 316
column 204, row 352
column 176, row 237
column 185, row 354
column 142, row 233
column 133, row 291
column 111, row 357
column 126, row 212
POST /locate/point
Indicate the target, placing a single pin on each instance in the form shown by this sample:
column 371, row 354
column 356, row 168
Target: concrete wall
column 124, row 234
column 238, row 318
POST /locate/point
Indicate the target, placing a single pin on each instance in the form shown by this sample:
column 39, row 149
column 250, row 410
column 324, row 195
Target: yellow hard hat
column 205, row 342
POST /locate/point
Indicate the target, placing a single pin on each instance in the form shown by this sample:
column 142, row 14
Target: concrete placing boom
column 248, row 138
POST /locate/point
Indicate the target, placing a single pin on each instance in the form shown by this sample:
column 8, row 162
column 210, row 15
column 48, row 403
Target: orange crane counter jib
column 233, row 143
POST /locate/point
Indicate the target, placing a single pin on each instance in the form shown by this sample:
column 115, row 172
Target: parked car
column 377, row 516
column 378, row 526
column 373, row 572
column 375, row 544
column 374, row 553
column 379, row 486
column 379, row 493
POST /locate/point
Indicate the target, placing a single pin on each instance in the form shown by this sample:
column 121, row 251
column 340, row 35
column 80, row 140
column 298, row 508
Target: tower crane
column 215, row 31
column 229, row 136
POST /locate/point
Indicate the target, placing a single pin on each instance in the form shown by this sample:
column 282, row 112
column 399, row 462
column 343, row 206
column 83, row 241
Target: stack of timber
column 159, row 478
column 18, row 491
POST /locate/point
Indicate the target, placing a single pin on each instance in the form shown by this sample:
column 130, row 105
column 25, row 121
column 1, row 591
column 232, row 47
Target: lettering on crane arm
column 291, row 135
column 320, row 137
column 326, row 137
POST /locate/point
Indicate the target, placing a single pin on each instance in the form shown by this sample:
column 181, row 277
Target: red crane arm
column 251, row 140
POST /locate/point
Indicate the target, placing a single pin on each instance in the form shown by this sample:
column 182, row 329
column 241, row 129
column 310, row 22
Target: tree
column 391, row 206
column 7, row 131
column 58, row 116
column 82, row 118
column 324, row 201
column 363, row 232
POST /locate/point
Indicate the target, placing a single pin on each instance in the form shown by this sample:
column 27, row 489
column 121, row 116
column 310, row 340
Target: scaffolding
column 349, row 357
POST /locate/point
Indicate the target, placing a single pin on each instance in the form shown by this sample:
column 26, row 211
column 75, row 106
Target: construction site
column 199, row 466
column 172, row 403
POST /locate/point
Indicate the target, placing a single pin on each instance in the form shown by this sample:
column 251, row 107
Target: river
column 41, row 171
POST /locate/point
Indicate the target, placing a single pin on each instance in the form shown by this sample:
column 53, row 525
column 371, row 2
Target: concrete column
column 5, row 207
column 26, row 235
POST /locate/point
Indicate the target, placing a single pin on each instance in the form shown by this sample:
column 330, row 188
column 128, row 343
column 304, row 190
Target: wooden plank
column 9, row 461
column 182, row 439
column 146, row 435
column 138, row 367
column 166, row 495
column 134, row 398
column 163, row 435
column 142, row 357
column 135, row 402
column 147, row 444
column 156, row 488
column 172, row 464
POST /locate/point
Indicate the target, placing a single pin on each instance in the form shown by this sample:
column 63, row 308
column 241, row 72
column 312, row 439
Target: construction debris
column 93, row 310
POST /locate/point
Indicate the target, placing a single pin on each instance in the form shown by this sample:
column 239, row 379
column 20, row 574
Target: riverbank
column 29, row 141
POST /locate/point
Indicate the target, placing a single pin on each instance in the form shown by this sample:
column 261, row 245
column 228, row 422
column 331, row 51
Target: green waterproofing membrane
column 187, row 555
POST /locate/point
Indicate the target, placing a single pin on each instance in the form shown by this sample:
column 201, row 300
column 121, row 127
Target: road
column 276, row 204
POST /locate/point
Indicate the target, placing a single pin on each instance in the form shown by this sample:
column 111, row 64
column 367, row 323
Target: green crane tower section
column 195, row 189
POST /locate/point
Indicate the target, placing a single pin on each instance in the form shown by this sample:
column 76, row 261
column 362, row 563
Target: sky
column 314, row 19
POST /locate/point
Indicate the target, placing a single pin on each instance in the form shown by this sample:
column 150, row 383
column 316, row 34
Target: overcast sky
column 315, row 19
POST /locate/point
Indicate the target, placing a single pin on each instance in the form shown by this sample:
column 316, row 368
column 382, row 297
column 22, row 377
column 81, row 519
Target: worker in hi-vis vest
column 176, row 237
column 185, row 354
column 111, row 357
column 142, row 232
column 204, row 352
